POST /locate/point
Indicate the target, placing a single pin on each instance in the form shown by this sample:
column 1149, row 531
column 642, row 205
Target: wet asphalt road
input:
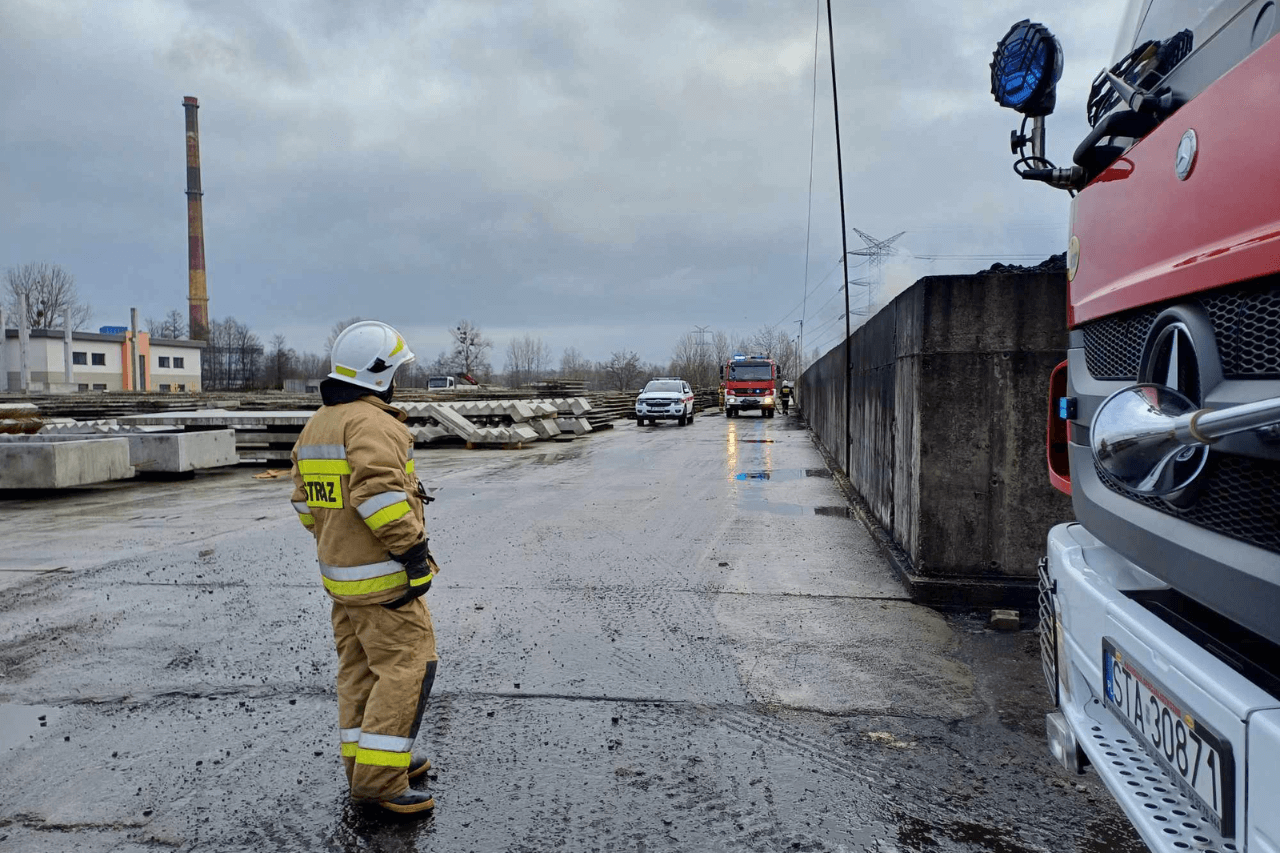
column 652, row 639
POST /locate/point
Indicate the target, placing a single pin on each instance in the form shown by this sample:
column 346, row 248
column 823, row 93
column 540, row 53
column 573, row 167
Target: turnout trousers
column 386, row 667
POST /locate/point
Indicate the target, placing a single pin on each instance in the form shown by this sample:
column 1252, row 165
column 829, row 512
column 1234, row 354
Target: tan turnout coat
column 355, row 489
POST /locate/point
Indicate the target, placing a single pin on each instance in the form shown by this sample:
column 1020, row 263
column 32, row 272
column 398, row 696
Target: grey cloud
column 570, row 167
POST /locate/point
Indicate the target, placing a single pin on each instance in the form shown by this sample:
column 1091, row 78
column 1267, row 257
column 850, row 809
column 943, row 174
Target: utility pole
column 24, row 336
column 701, row 332
column 800, row 358
column 844, row 259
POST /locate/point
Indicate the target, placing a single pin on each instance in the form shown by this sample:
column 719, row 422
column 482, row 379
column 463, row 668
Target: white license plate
column 1199, row 761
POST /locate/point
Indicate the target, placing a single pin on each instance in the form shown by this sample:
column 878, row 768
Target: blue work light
column 1025, row 69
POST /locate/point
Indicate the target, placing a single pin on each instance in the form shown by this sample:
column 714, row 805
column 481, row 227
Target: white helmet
column 367, row 354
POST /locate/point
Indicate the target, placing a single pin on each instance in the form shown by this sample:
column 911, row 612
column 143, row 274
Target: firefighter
column 784, row 396
column 355, row 490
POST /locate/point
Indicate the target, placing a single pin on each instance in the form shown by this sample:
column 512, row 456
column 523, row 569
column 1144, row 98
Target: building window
column 164, row 361
column 80, row 358
column 165, row 388
column 100, row 360
column 182, row 388
column 83, row 386
column 178, row 361
column 99, row 387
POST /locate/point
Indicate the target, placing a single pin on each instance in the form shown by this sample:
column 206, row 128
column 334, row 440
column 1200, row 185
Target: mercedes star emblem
column 1186, row 159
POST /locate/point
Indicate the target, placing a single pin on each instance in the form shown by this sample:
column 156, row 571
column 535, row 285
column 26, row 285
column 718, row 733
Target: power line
column 810, row 292
column 807, row 294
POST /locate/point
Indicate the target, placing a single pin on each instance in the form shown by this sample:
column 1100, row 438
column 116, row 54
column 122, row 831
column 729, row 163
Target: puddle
column 18, row 723
column 781, row 474
column 795, row 509
column 755, row 441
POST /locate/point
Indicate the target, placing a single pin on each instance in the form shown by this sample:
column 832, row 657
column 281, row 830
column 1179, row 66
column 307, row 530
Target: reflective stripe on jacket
column 354, row 488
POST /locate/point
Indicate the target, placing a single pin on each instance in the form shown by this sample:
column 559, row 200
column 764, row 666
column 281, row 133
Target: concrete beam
column 63, row 464
column 182, row 452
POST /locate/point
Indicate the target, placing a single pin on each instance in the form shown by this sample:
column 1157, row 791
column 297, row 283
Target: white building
column 108, row 360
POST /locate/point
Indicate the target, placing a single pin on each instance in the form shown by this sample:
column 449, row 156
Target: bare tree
column 233, row 358
column 721, row 349
column 280, row 362
column 311, row 365
column 573, row 365
column 692, row 360
column 469, row 348
column 173, row 327
column 622, row 369
column 337, row 330
column 776, row 344
column 527, row 360
column 48, row 291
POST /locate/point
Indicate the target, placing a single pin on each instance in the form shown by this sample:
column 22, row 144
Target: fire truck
column 749, row 383
column 1160, row 604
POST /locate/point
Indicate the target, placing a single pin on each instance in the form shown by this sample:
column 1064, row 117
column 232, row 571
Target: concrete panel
column 427, row 434
column 63, row 464
column 451, row 420
column 181, row 452
column 544, row 427
column 221, row 418
column 577, row 426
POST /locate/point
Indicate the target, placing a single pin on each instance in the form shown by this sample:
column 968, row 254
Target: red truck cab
column 1159, row 604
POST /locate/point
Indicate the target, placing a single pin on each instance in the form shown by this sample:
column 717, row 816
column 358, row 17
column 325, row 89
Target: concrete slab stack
column 148, row 451
column 50, row 464
column 185, row 441
column 497, row 422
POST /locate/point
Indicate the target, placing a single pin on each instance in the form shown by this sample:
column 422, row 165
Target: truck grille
column 1113, row 345
column 1048, row 630
column 1246, row 323
column 1239, row 497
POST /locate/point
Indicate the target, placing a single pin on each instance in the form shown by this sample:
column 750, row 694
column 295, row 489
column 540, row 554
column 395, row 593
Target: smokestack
column 197, row 291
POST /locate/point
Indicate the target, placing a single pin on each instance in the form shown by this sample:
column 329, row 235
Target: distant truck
column 749, row 384
column 441, row 383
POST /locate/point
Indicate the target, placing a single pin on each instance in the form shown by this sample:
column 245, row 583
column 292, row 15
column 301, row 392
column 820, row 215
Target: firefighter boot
column 410, row 802
column 418, row 766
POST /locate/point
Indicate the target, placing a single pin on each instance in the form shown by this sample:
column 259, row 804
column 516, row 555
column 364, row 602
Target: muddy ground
column 655, row 638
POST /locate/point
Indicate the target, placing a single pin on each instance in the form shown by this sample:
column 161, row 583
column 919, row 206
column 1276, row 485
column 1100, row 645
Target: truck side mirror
column 722, row 371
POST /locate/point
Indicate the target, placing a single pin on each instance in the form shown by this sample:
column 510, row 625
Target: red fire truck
column 749, row 383
column 1160, row 605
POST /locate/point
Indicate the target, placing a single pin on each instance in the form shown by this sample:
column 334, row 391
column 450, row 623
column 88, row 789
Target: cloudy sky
column 601, row 173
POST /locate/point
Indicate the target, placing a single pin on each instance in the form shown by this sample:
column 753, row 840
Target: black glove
column 416, row 562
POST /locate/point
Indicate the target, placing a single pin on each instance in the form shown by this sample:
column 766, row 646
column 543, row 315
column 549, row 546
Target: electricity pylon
column 876, row 251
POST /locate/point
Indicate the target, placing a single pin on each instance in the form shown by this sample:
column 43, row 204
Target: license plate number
column 1199, row 761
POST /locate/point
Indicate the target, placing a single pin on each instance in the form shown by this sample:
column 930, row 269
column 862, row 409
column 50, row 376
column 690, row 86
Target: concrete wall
column 947, row 423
